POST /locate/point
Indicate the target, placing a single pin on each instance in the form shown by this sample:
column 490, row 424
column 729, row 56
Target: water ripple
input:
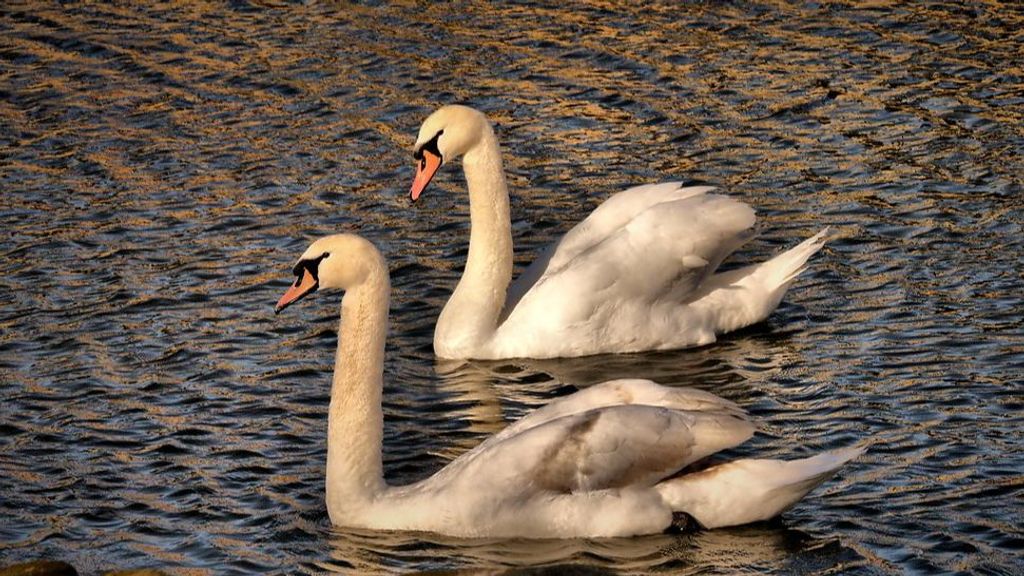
column 162, row 167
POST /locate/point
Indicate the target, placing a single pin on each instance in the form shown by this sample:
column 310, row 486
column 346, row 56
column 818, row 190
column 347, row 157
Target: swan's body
column 638, row 274
column 599, row 462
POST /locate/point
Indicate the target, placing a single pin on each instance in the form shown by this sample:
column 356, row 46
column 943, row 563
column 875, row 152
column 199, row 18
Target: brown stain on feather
column 552, row 473
column 567, row 466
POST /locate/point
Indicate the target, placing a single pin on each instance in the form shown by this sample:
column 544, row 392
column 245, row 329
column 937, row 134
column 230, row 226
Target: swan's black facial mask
column 311, row 266
column 428, row 146
column 307, row 280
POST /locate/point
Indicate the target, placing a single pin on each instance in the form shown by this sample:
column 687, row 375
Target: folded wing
column 597, row 449
column 624, row 392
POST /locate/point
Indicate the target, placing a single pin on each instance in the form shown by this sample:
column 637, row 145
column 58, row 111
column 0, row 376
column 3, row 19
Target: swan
column 637, row 274
column 602, row 462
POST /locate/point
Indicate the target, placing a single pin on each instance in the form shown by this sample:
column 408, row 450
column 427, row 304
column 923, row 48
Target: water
column 162, row 168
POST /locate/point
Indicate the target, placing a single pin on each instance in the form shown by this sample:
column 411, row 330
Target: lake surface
column 162, row 168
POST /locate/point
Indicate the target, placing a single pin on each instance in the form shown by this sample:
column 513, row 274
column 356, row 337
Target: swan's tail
column 779, row 272
column 748, row 295
column 745, row 491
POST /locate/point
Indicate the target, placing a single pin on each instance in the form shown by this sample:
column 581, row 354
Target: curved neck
column 470, row 317
column 356, row 421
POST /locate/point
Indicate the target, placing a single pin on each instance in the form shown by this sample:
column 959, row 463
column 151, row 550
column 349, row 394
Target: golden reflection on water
column 162, row 166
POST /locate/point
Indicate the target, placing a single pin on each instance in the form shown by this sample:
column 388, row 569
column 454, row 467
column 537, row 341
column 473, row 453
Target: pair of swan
column 609, row 460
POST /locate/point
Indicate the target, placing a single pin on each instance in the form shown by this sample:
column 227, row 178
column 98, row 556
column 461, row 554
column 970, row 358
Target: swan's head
column 340, row 262
column 448, row 133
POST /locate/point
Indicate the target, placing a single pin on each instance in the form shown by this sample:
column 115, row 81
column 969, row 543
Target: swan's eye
column 429, row 146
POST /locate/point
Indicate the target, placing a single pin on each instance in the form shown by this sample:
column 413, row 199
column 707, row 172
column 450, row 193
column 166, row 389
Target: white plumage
column 604, row 461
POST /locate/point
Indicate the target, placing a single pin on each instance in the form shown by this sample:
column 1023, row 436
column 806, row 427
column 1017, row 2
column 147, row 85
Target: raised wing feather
column 604, row 221
column 616, row 212
column 662, row 254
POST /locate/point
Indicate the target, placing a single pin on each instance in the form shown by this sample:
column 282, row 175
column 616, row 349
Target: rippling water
column 162, row 168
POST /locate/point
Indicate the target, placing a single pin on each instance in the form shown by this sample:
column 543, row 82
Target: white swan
column 600, row 462
column 637, row 274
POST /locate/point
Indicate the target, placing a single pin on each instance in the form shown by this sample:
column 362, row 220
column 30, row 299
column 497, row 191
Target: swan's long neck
column 471, row 315
column 355, row 421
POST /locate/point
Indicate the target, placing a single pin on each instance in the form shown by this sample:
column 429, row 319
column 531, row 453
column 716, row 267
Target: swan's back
column 617, row 285
column 607, row 219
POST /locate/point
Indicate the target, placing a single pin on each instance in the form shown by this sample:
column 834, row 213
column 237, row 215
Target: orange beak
column 303, row 285
column 425, row 170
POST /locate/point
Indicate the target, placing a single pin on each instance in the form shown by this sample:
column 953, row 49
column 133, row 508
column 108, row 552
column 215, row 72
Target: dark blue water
column 161, row 168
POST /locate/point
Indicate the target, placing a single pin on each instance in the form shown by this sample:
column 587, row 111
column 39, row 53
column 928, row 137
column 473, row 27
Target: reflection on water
column 161, row 168
column 507, row 389
column 766, row 546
